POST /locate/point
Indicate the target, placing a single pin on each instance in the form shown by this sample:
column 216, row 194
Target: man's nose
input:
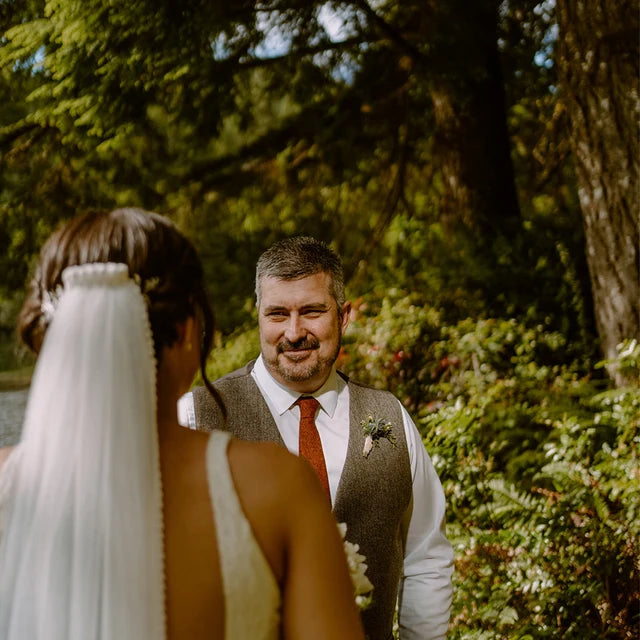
column 294, row 330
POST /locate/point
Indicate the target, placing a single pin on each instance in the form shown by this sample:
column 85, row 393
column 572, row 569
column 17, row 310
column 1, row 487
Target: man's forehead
column 316, row 285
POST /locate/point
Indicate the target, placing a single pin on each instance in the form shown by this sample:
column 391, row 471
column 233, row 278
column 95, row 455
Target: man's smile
column 298, row 349
column 297, row 353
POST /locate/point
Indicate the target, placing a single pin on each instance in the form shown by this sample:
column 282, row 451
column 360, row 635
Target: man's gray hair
column 298, row 257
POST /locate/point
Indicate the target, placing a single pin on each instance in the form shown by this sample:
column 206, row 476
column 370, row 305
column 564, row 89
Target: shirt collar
column 283, row 398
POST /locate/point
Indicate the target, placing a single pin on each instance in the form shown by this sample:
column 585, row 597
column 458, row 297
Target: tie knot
column 308, row 406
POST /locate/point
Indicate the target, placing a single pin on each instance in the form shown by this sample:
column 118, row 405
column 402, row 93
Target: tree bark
column 597, row 60
column 472, row 138
column 453, row 49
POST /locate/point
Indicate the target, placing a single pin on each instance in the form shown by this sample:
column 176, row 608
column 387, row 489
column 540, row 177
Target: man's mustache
column 303, row 343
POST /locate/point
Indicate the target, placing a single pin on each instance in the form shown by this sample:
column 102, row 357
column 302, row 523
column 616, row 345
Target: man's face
column 300, row 330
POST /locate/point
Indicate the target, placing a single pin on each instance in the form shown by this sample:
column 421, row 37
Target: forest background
column 475, row 164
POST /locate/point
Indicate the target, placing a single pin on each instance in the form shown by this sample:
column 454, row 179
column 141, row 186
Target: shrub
column 538, row 459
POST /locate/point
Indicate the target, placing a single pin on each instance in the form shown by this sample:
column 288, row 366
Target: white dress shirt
column 425, row 590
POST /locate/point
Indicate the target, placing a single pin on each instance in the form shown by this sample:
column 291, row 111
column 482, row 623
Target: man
column 385, row 488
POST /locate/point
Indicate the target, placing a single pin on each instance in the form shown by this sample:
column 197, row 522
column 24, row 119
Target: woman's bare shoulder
column 271, row 480
column 258, row 452
column 272, row 464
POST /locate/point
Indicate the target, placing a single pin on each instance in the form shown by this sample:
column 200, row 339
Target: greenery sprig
column 375, row 428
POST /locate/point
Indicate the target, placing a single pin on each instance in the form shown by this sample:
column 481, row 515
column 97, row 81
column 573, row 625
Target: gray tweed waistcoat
column 373, row 495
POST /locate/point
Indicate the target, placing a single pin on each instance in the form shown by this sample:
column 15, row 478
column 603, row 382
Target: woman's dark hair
column 158, row 256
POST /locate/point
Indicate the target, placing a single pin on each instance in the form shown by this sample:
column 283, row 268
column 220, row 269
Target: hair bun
column 95, row 274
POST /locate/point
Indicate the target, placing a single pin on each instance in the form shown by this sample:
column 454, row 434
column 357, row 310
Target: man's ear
column 346, row 312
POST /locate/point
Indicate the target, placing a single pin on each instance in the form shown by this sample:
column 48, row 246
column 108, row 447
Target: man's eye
column 277, row 314
column 313, row 313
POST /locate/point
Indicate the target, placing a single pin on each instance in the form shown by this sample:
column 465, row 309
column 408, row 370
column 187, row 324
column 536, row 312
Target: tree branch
column 298, row 53
column 11, row 134
column 390, row 32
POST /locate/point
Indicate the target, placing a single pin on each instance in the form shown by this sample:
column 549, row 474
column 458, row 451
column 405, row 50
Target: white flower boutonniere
column 374, row 429
column 362, row 587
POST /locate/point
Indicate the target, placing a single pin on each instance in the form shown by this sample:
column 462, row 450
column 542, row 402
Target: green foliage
column 539, row 461
column 567, row 544
column 12, row 354
column 629, row 358
column 626, row 362
column 240, row 347
column 385, row 344
column 183, row 108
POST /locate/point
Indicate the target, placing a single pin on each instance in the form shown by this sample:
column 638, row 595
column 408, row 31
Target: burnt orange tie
column 309, row 443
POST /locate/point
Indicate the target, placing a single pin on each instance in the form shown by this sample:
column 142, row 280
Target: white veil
column 81, row 557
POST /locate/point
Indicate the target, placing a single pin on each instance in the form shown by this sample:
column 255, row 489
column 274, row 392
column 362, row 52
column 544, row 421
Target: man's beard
column 301, row 372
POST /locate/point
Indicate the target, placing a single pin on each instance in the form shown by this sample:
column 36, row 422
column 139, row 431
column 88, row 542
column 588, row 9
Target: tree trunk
column 472, row 139
column 597, row 62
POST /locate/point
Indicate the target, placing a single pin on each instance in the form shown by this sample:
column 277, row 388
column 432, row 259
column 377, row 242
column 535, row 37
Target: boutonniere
column 374, row 429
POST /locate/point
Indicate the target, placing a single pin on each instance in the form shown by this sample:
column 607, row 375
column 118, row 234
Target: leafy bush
column 386, row 344
column 539, row 461
column 551, row 554
column 240, row 347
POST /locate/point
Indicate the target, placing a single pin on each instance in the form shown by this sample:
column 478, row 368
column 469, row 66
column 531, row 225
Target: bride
column 116, row 522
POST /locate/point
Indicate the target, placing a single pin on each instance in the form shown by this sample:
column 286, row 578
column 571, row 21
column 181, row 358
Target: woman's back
column 269, row 545
column 193, row 587
column 219, row 582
